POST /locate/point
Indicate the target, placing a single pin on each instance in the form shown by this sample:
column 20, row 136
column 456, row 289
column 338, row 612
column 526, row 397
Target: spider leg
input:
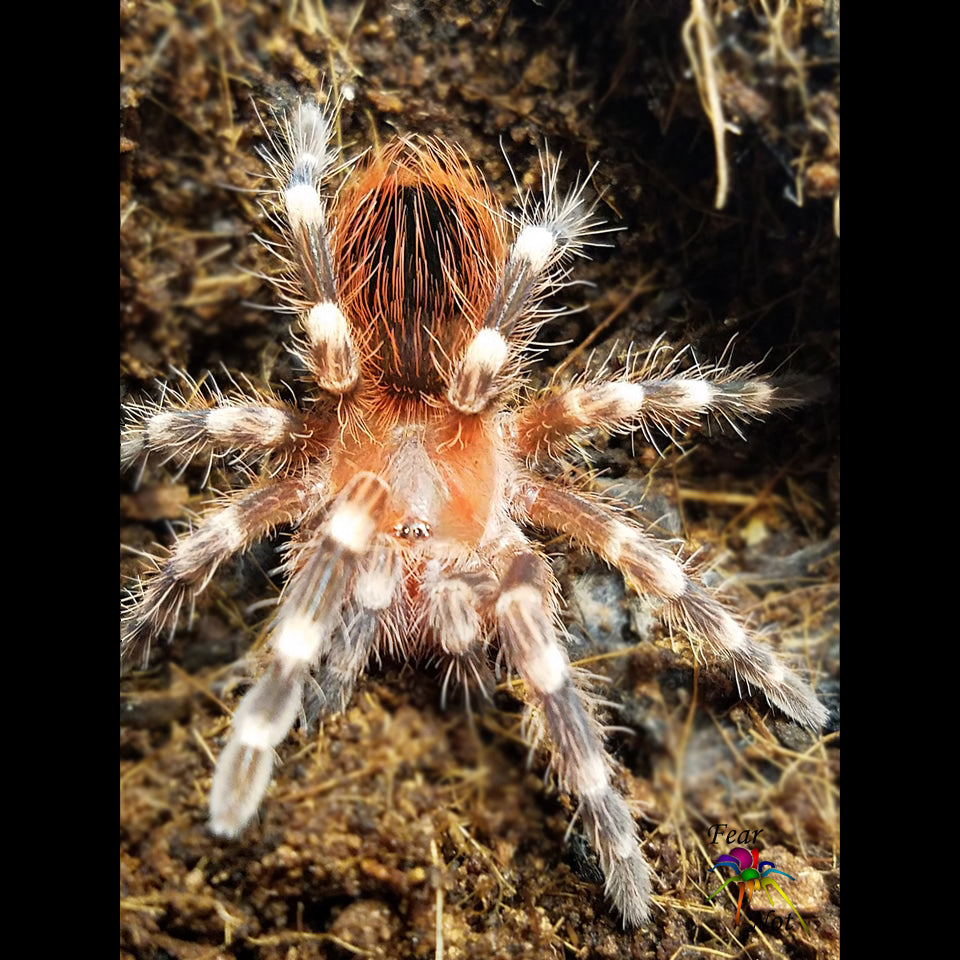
column 765, row 888
column 734, row 879
column 329, row 352
column 743, row 887
column 374, row 591
column 195, row 558
column 324, row 568
column 771, row 882
column 548, row 233
column 553, row 422
column 250, row 430
column 650, row 567
column 533, row 648
column 452, row 616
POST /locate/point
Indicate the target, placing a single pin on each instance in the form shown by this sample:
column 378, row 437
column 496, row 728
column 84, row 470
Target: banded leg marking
column 249, row 429
column 552, row 423
column 330, row 353
column 455, row 613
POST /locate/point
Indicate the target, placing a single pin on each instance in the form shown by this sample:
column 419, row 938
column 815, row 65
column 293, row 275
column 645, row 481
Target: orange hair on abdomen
column 418, row 244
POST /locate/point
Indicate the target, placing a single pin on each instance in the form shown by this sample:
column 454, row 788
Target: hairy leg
column 247, row 430
column 195, row 558
column 454, row 615
column 549, row 232
column 323, row 568
column 300, row 164
column 533, row 648
column 650, row 568
column 554, row 421
column 374, row 591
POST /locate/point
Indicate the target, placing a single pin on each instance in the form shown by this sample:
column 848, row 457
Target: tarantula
column 410, row 481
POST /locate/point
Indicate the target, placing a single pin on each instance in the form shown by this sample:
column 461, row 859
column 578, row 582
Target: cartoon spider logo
column 750, row 875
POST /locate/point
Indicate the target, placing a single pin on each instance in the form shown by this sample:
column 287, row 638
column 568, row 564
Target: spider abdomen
column 420, row 221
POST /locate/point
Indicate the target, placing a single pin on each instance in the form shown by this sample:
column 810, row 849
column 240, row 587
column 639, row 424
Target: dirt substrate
column 398, row 812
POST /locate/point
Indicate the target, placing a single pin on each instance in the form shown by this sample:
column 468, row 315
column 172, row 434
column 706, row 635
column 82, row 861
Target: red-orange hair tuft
column 418, row 243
